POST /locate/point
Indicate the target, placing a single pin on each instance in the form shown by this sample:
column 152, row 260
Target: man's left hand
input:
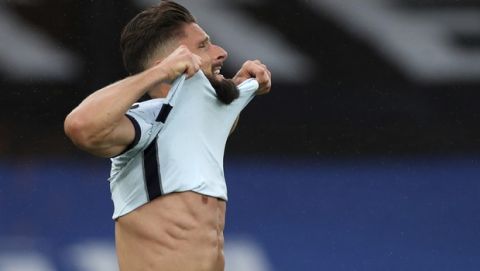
column 259, row 71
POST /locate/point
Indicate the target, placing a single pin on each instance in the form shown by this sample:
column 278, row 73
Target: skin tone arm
column 99, row 125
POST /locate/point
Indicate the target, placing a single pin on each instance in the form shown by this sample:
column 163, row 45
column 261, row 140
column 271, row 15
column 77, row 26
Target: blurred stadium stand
column 283, row 215
column 360, row 87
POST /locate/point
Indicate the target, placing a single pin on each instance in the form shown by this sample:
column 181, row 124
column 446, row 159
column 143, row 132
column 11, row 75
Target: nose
column 221, row 53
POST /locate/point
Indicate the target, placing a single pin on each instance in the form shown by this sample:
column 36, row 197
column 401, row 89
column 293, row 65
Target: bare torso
column 179, row 231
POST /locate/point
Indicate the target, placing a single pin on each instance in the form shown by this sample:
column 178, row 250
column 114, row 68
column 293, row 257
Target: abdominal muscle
column 179, row 231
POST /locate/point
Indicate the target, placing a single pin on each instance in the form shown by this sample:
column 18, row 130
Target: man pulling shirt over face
column 167, row 179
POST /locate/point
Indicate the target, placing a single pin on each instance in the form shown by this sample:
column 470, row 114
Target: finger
column 194, row 64
column 259, row 72
column 267, row 80
column 182, row 47
column 197, row 59
column 267, row 70
column 191, row 69
column 262, row 77
column 256, row 61
column 250, row 63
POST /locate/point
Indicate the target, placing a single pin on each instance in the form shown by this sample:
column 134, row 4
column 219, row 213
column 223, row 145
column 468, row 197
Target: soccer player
column 167, row 180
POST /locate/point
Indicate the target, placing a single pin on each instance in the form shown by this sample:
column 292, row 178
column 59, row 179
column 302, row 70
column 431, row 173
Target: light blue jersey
column 179, row 144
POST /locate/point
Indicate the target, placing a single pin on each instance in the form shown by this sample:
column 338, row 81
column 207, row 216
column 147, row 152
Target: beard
column 226, row 90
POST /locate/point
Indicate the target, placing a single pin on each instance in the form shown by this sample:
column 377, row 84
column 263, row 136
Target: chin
column 226, row 90
column 214, row 76
column 219, row 77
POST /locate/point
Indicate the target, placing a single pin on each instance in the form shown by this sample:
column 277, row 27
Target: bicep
column 118, row 140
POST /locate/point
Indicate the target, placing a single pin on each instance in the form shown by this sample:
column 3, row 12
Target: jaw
column 219, row 77
column 214, row 73
column 214, row 70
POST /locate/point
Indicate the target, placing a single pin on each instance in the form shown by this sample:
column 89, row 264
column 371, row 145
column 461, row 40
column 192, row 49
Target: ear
column 154, row 62
column 157, row 61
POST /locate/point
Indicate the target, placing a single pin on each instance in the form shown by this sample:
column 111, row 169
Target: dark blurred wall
column 360, row 97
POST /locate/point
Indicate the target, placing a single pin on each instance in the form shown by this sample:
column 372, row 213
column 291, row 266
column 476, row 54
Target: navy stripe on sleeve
column 138, row 132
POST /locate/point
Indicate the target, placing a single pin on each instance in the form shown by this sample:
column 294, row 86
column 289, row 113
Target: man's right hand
column 178, row 62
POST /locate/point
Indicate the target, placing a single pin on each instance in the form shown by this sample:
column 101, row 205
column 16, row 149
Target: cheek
column 206, row 64
column 206, row 68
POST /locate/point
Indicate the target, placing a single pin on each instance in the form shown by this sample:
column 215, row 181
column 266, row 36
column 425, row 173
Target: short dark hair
column 151, row 29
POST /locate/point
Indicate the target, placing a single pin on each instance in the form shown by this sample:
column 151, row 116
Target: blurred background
column 365, row 156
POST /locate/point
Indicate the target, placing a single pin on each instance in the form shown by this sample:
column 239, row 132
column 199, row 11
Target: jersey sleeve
column 144, row 119
column 148, row 119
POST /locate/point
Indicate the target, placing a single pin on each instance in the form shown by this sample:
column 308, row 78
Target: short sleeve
column 143, row 117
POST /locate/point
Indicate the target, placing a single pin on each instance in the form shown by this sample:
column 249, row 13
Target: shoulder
column 147, row 110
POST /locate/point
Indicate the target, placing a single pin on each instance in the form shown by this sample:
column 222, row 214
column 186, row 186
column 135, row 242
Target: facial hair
column 226, row 90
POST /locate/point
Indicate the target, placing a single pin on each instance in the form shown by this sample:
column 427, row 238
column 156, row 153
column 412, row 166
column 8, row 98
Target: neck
column 160, row 91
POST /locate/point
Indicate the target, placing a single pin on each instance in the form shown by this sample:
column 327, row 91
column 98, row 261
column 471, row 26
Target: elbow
column 86, row 136
column 79, row 131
